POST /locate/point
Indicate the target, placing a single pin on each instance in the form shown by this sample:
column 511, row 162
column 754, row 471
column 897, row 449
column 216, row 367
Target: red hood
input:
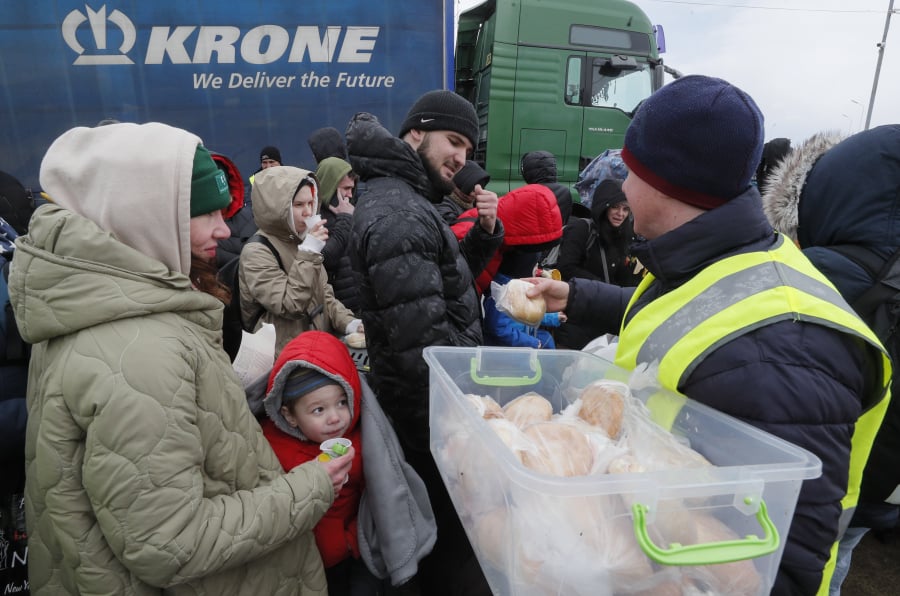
column 320, row 351
column 235, row 184
column 530, row 215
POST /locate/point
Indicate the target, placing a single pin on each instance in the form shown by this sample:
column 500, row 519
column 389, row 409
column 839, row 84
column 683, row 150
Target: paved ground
column 875, row 567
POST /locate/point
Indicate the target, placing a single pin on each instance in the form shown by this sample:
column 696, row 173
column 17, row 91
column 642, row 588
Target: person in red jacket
column 314, row 395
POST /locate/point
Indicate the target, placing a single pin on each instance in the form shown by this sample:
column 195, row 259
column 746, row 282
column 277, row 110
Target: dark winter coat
column 532, row 224
column 831, row 192
column 416, row 285
column 451, row 207
column 539, row 167
column 800, row 381
column 16, row 208
column 327, row 142
column 13, row 381
column 335, row 254
column 606, row 256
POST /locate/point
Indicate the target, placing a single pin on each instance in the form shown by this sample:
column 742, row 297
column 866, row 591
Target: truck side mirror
column 660, row 38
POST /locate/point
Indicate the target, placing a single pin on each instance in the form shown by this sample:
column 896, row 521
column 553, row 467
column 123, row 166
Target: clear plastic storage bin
column 713, row 529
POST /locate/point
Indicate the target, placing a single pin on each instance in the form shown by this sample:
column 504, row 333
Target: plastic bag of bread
column 653, row 446
column 528, row 408
column 512, row 300
column 560, row 449
column 485, row 405
column 603, row 405
column 739, row 577
column 475, row 479
column 605, row 450
column 512, row 436
column 585, row 546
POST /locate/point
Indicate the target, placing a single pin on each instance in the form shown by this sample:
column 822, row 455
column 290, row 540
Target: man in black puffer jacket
column 416, row 288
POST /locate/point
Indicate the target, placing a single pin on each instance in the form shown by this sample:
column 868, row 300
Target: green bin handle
column 505, row 381
column 711, row 553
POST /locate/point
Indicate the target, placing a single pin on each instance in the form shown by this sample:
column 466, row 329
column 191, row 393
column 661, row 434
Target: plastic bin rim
column 805, row 466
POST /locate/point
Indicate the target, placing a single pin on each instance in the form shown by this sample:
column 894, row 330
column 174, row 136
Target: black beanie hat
column 697, row 140
column 469, row 175
column 209, row 187
column 270, row 152
column 608, row 193
column 16, row 203
column 442, row 110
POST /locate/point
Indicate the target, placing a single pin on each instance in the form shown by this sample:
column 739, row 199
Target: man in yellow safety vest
column 734, row 315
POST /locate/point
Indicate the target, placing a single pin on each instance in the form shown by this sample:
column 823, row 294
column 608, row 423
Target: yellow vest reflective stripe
column 733, row 297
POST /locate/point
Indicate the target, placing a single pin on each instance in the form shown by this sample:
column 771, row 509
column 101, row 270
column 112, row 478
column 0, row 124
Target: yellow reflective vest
column 733, row 297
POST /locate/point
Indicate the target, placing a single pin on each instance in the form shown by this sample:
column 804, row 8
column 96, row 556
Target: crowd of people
column 702, row 248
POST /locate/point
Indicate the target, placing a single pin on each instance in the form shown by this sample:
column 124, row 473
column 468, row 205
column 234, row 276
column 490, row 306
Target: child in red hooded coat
column 314, row 394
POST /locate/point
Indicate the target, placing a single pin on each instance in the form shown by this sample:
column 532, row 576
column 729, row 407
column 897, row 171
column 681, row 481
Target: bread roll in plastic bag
column 485, row 406
column 512, row 299
column 528, row 408
column 559, row 449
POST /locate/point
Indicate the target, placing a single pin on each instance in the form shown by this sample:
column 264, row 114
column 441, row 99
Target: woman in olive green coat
column 146, row 471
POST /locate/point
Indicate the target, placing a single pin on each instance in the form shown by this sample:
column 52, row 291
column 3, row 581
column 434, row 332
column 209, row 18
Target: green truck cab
column 563, row 76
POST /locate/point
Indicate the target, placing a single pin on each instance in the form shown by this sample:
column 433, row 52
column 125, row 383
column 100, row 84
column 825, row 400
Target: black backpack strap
column 268, row 243
column 864, row 257
column 879, row 269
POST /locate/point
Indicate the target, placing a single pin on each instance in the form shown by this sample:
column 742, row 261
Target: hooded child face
column 321, row 414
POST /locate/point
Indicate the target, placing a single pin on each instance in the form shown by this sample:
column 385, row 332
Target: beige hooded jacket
column 299, row 298
column 146, row 471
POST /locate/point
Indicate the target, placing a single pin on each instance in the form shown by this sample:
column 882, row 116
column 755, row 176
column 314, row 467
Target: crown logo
column 98, row 20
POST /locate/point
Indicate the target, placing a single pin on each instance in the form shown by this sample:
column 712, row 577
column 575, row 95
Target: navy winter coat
column 799, row 381
column 833, row 192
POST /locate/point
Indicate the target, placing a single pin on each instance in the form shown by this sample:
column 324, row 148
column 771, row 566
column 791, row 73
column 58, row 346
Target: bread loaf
column 528, row 408
column 602, row 405
column 485, row 406
column 519, row 306
column 559, row 449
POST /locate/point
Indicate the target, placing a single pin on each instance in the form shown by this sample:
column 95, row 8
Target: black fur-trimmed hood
column 831, row 193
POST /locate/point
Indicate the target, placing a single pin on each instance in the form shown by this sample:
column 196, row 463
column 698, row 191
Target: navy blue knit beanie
column 302, row 381
column 698, row 140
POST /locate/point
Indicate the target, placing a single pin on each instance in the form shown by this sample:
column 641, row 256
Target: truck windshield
column 620, row 82
column 623, row 90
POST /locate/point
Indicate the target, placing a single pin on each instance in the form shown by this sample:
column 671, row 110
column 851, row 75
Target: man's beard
column 438, row 183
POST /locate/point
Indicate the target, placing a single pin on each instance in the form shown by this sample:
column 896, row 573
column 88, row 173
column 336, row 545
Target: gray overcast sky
column 809, row 64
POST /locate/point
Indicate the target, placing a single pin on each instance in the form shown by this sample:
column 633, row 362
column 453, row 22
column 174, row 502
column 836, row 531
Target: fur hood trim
column 782, row 196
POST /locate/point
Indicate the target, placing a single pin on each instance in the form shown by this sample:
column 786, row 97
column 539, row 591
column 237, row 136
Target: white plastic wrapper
column 511, row 299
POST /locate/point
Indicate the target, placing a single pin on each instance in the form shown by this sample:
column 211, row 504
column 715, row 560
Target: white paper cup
column 312, row 220
column 327, row 446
